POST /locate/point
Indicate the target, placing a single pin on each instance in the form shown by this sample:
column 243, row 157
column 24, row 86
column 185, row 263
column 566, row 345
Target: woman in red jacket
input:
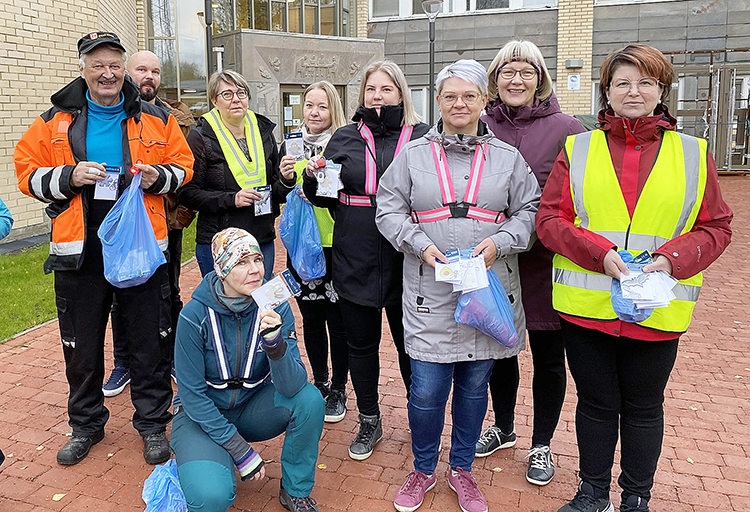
column 633, row 184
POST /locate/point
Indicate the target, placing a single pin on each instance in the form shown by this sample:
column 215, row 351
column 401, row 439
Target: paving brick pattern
column 705, row 463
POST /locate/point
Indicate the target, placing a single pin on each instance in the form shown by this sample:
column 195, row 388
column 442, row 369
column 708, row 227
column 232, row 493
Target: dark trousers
column 174, row 265
column 620, row 383
column 548, row 386
column 84, row 300
column 363, row 328
column 316, row 315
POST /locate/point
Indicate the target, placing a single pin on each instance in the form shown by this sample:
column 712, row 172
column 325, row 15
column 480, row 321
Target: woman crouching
column 241, row 380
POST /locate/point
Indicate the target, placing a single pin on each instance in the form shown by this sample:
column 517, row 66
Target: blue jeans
column 430, row 386
column 206, row 260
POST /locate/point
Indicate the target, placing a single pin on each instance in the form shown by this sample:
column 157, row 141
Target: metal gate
column 712, row 102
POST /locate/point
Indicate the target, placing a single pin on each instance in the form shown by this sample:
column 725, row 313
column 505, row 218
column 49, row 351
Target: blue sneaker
column 118, row 379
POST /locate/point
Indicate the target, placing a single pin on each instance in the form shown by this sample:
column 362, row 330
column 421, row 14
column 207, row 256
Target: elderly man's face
column 104, row 73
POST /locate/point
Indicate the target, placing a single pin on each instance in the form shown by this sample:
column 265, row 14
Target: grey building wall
column 688, row 25
column 269, row 60
column 465, row 36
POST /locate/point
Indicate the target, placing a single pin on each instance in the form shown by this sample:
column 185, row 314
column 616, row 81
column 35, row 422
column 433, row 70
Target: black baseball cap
column 94, row 39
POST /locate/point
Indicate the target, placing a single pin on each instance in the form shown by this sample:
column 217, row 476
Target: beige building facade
column 38, row 56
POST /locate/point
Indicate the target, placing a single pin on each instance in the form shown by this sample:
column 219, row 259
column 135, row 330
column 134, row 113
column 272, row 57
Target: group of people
column 504, row 173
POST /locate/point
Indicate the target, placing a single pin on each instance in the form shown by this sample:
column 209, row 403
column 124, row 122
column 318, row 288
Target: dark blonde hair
column 649, row 61
column 391, row 69
column 520, row 51
column 338, row 119
column 228, row 76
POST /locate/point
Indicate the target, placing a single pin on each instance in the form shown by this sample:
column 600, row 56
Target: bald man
column 145, row 70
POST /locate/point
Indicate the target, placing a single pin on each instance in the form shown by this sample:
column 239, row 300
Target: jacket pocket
column 153, row 151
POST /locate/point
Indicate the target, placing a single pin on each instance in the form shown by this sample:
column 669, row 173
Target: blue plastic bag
column 298, row 229
column 488, row 310
column 129, row 247
column 162, row 491
column 625, row 309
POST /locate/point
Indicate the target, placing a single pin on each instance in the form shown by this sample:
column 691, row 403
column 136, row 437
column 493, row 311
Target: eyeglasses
column 644, row 84
column 469, row 98
column 228, row 95
column 510, row 73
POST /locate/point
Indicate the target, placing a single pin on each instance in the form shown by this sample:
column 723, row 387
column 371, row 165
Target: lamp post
column 432, row 8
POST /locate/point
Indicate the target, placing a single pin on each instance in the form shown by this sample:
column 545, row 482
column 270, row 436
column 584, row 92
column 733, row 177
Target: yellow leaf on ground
column 322, row 466
column 691, row 461
column 497, row 470
column 40, row 447
column 58, row 497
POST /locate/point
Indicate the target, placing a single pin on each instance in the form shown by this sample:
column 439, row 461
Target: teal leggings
column 207, row 472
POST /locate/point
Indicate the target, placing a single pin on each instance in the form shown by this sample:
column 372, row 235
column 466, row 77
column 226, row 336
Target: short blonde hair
column 228, row 76
column 338, row 119
column 391, row 69
column 520, row 51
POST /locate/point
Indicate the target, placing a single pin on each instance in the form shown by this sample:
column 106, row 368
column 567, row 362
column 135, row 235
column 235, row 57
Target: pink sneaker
column 409, row 498
column 470, row 498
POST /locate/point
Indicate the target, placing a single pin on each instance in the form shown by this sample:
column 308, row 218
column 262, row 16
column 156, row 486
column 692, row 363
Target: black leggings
column 315, row 315
column 548, row 386
column 620, row 383
column 363, row 328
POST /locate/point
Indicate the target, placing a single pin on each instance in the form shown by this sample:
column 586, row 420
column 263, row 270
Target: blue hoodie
column 195, row 362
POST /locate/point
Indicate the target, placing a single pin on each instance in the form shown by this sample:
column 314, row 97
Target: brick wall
column 575, row 29
column 119, row 16
column 363, row 13
column 38, row 56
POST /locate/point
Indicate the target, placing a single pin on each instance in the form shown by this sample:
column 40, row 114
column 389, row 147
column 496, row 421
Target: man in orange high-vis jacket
column 99, row 120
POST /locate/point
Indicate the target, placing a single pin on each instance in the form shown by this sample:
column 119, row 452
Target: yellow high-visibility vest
column 249, row 174
column 666, row 209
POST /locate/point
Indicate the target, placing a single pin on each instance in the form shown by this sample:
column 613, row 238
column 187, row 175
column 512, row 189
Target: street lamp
column 432, row 8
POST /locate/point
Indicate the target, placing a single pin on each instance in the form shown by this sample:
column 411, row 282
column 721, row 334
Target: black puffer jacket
column 212, row 190
column 367, row 270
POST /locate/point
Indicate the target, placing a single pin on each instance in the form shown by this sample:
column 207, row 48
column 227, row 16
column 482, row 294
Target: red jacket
column 633, row 145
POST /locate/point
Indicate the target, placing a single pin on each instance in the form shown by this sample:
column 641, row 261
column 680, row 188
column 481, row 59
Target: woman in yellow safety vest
column 237, row 162
column 638, row 185
column 319, row 303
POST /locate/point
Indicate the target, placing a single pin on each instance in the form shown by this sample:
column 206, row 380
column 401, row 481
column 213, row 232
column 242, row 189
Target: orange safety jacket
column 56, row 141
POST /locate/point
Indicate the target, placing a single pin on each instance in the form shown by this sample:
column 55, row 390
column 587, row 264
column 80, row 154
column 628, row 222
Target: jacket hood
column 643, row 128
column 72, row 97
column 501, row 112
column 204, row 293
column 390, row 118
column 436, row 134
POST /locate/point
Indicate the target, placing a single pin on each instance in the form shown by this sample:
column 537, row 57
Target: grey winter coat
column 507, row 185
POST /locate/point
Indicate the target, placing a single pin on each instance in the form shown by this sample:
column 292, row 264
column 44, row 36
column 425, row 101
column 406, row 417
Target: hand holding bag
column 489, row 310
column 129, row 248
column 298, row 229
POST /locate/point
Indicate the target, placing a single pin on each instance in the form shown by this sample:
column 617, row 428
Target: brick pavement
column 705, row 464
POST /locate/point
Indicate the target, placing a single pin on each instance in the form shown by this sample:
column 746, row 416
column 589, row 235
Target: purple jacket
column 539, row 133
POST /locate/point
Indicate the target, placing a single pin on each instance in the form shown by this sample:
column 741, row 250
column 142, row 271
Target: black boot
column 156, row 448
column 77, row 447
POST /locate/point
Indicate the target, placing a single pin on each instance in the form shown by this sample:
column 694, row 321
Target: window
column 177, row 37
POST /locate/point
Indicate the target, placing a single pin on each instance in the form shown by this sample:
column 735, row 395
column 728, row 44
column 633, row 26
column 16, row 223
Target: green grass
column 27, row 296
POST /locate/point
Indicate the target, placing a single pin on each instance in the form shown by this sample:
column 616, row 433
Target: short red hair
column 649, row 61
